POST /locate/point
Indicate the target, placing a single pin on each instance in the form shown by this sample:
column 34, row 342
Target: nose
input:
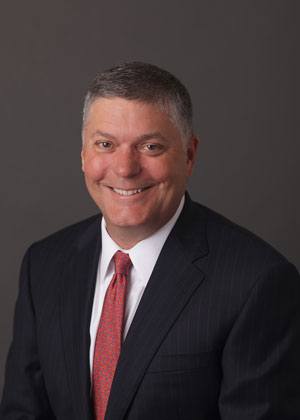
column 127, row 163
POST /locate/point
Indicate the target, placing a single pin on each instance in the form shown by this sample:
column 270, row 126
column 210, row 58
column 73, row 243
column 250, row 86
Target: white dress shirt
column 143, row 257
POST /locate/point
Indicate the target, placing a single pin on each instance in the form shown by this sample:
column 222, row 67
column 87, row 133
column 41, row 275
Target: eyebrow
column 104, row 134
column 143, row 137
column 149, row 136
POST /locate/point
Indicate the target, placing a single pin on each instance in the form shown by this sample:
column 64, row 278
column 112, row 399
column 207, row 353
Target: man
column 203, row 319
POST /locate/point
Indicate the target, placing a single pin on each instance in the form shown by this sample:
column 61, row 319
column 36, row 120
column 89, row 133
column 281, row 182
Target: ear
column 82, row 160
column 191, row 152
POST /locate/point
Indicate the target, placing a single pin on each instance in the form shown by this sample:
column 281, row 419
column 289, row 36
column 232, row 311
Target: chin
column 125, row 223
column 129, row 221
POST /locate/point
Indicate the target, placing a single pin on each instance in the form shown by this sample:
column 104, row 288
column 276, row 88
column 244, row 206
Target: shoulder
column 238, row 262
column 60, row 243
column 234, row 245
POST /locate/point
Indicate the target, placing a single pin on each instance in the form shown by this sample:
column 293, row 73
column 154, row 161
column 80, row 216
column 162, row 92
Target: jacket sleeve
column 261, row 358
column 24, row 395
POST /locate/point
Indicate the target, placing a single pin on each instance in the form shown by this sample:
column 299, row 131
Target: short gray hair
column 145, row 83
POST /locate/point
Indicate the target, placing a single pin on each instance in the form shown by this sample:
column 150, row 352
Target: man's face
column 135, row 165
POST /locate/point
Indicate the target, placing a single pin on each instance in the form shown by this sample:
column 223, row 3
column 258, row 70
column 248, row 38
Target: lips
column 127, row 193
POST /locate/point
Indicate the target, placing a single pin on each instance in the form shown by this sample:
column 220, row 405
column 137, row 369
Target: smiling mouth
column 128, row 193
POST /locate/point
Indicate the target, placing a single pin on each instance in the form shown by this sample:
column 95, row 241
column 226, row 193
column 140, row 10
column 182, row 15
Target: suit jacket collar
column 190, row 230
column 173, row 281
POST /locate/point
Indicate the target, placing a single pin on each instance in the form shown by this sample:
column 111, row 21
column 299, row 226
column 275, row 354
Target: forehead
column 114, row 111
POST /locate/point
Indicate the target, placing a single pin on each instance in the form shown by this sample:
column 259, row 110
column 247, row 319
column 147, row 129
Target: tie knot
column 122, row 263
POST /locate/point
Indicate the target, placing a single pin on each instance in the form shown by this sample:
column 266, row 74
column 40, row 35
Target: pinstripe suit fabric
column 216, row 334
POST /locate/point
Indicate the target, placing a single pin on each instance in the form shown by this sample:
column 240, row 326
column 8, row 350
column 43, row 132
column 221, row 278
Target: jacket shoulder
column 63, row 240
column 238, row 260
column 233, row 241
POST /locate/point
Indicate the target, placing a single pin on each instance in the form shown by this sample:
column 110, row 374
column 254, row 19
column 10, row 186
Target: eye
column 104, row 145
column 152, row 148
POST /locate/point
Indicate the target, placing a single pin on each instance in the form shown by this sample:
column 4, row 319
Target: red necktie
column 109, row 335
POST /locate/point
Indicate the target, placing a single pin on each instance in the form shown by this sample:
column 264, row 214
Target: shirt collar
column 144, row 254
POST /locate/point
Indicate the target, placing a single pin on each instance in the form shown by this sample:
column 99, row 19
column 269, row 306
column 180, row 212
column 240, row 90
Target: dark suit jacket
column 216, row 334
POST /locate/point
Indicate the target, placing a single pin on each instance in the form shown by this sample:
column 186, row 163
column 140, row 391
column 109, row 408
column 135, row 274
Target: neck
column 126, row 237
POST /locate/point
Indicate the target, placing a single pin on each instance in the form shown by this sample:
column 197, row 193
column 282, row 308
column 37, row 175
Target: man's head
column 144, row 83
column 138, row 148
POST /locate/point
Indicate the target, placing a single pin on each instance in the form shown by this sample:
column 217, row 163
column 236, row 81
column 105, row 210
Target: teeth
column 127, row 192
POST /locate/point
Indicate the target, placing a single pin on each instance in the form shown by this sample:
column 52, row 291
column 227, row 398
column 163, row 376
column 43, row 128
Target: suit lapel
column 172, row 283
column 76, row 305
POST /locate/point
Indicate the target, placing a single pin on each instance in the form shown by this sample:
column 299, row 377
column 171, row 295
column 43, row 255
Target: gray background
column 238, row 59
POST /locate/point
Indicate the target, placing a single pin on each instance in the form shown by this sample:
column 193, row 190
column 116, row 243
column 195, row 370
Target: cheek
column 160, row 169
column 94, row 168
column 172, row 171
